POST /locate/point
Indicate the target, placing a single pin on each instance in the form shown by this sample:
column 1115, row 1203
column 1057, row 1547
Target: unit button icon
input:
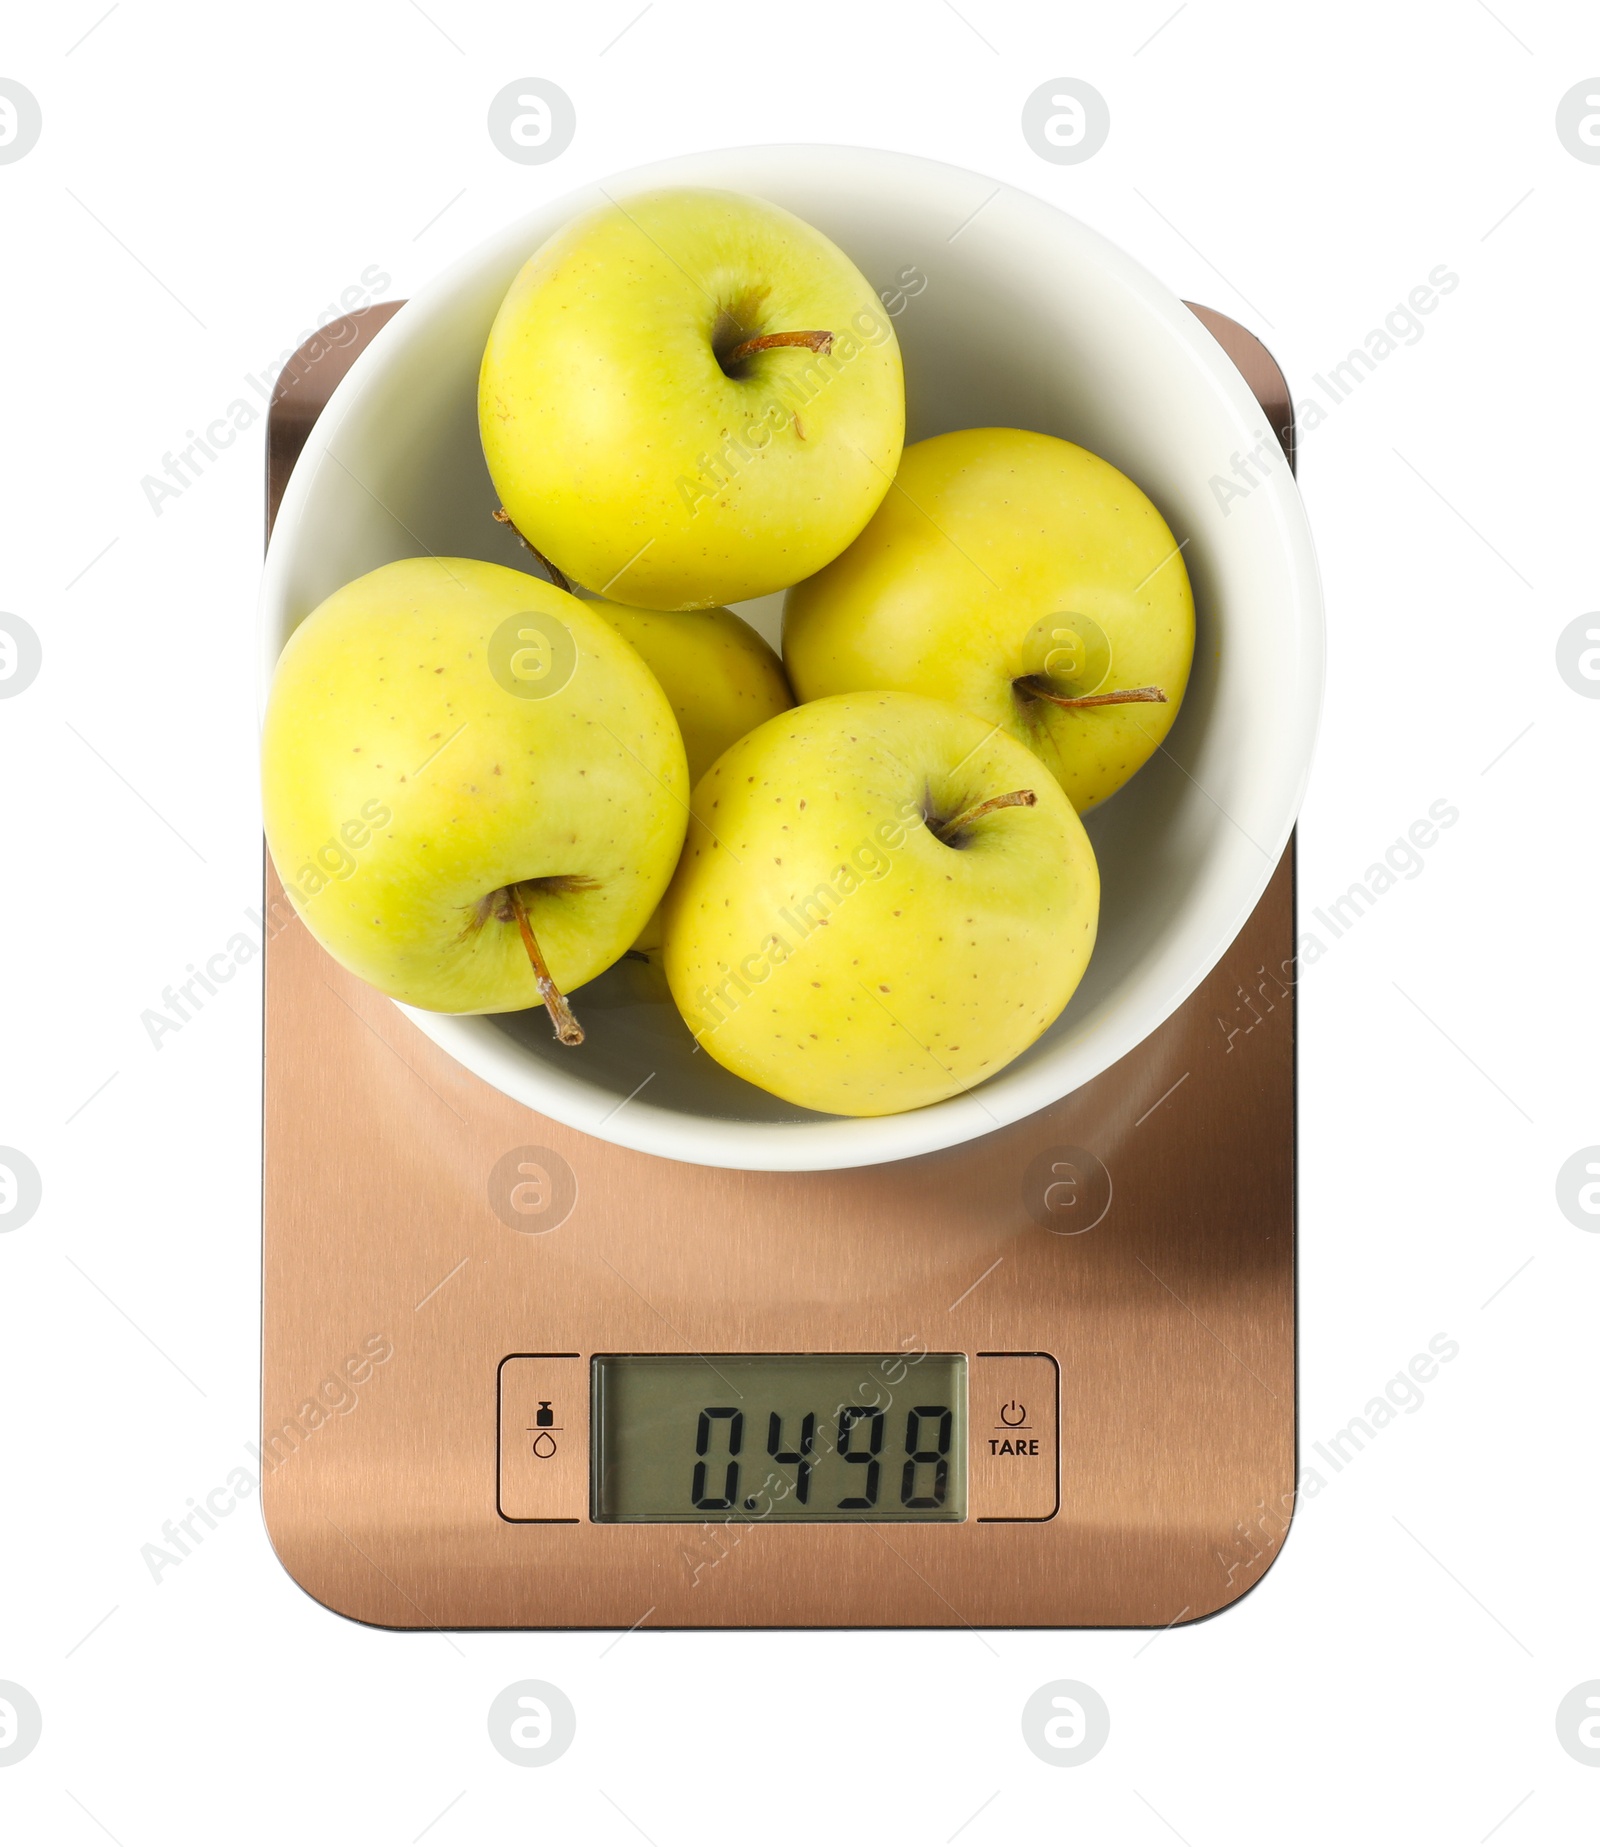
column 543, row 1437
column 543, row 1432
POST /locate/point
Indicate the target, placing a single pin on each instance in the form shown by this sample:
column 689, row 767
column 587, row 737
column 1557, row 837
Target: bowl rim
column 828, row 1143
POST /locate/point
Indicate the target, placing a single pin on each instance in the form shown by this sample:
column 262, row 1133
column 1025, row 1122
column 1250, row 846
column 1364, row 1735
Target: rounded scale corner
column 1240, row 1582
column 298, row 1568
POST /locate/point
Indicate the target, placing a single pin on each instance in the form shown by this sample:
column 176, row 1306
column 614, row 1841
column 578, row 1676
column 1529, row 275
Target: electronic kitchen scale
column 517, row 1377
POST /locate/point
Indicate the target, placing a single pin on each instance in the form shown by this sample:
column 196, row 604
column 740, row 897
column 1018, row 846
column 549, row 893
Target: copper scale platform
column 1119, row 1270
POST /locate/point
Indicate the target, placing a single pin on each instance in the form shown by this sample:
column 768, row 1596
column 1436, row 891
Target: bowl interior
column 1008, row 313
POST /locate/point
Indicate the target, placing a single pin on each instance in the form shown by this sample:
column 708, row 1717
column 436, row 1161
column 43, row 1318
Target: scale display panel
column 779, row 1436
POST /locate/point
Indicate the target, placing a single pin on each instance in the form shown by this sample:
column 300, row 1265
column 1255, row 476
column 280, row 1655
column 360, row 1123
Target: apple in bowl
column 474, row 789
column 690, row 397
column 881, row 902
column 1025, row 579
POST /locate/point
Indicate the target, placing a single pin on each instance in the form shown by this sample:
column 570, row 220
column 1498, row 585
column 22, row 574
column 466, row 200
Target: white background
column 208, row 178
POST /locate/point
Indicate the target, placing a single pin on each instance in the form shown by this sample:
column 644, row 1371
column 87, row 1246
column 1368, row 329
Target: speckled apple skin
column 623, row 450
column 984, row 534
column 824, row 943
column 402, row 783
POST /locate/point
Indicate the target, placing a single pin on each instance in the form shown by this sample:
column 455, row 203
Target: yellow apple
column 880, row 903
column 720, row 678
column 1027, row 581
column 689, row 398
column 474, row 789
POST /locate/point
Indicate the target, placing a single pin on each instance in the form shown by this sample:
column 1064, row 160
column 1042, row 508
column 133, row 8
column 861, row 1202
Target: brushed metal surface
column 1160, row 1276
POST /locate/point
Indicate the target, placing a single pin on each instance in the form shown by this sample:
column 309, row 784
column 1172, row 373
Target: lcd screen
column 779, row 1436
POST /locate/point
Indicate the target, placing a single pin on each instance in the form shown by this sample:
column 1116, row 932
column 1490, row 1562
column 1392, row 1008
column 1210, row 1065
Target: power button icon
column 1013, row 1415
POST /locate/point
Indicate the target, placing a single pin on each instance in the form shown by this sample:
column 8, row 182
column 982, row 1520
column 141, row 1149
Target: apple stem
column 1033, row 685
column 746, row 349
column 568, row 1031
column 1018, row 798
column 556, row 576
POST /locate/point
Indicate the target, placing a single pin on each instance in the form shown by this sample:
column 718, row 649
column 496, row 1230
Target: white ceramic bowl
column 1021, row 316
